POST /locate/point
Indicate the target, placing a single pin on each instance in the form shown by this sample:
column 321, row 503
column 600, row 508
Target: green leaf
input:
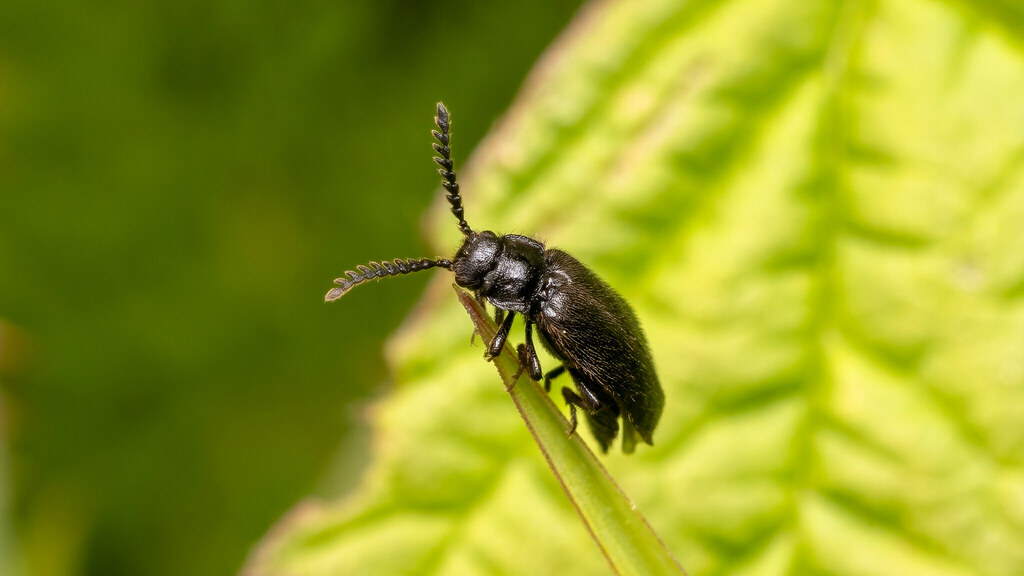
column 12, row 352
column 815, row 209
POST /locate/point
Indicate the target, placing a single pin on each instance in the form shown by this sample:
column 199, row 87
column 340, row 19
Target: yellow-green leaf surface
column 817, row 210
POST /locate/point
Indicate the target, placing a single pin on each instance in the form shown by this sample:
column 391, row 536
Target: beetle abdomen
column 594, row 331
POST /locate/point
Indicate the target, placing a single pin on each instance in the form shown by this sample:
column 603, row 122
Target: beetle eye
column 475, row 259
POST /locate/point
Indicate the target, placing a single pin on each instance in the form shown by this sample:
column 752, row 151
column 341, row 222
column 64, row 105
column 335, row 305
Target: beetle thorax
column 505, row 270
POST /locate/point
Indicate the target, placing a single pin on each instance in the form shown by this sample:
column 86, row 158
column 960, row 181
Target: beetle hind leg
column 604, row 425
column 551, row 375
column 573, row 400
column 600, row 409
column 602, row 416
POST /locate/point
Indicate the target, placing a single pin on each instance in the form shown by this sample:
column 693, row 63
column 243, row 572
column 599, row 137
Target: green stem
column 622, row 534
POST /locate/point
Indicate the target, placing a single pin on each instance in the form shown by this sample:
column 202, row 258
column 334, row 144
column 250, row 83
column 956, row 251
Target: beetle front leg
column 498, row 342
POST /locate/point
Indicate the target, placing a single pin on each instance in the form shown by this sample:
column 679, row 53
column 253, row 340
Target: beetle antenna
column 447, row 167
column 382, row 270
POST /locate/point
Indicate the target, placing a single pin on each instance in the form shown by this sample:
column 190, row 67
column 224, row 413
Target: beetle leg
column 498, row 342
column 551, row 375
column 592, row 406
column 601, row 411
column 521, row 351
column 573, row 400
column 499, row 315
column 524, row 361
column 528, row 355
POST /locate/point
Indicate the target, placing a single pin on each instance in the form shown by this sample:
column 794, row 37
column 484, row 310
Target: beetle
column 580, row 319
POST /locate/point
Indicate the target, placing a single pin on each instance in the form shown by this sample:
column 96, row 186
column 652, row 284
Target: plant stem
column 622, row 534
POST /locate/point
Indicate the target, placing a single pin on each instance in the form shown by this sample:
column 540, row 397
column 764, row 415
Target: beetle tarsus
column 572, row 400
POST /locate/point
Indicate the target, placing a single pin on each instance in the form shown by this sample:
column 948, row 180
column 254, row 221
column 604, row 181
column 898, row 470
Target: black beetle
column 581, row 320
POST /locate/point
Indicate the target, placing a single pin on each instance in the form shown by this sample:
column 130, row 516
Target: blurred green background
column 180, row 181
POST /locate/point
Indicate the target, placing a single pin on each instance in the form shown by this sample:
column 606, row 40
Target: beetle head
column 477, row 256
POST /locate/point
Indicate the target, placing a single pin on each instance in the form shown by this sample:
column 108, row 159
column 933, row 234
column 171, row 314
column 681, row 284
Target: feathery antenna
column 447, row 167
column 382, row 270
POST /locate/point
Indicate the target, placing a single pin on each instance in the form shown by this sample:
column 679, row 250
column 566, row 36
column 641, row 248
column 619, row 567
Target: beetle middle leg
column 528, row 360
column 528, row 355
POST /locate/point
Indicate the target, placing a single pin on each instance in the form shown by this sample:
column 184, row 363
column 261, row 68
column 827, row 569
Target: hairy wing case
column 594, row 330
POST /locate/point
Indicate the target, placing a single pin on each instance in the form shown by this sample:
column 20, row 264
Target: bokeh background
column 179, row 182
